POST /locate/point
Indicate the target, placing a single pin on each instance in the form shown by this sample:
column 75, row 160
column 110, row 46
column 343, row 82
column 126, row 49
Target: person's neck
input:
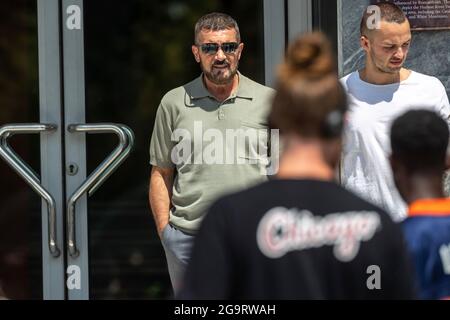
column 424, row 187
column 222, row 91
column 372, row 75
column 304, row 160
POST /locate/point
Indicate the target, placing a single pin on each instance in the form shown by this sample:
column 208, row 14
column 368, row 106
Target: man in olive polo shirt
column 210, row 138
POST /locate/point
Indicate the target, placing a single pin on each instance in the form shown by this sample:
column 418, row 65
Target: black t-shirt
column 297, row 239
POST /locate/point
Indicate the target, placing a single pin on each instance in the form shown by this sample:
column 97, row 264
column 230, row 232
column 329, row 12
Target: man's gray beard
column 220, row 81
column 223, row 81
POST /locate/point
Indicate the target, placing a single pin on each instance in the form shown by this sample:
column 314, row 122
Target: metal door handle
column 30, row 177
column 101, row 173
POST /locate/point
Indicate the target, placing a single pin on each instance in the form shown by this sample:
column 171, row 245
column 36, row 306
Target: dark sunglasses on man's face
column 212, row 48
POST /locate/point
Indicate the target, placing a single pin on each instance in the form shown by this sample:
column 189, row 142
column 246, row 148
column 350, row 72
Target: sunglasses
column 212, row 48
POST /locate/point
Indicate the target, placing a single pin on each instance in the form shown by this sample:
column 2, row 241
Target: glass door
column 43, row 130
column 31, row 188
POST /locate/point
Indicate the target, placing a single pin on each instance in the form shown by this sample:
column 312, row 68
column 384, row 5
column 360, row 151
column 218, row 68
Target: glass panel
column 20, row 207
column 134, row 54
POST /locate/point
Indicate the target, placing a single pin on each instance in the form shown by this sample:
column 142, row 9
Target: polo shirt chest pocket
column 253, row 142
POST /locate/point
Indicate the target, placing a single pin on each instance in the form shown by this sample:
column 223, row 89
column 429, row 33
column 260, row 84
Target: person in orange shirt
column 419, row 142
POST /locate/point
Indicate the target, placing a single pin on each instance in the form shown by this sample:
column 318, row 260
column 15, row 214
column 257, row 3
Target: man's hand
column 160, row 194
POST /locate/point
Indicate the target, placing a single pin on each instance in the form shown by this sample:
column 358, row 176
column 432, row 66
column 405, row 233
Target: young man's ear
column 364, row 42
column 196, row 53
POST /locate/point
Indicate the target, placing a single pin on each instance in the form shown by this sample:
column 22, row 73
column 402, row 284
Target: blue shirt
column 427, row 232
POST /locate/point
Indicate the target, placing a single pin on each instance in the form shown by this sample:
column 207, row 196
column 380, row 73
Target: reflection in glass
column 20, row 207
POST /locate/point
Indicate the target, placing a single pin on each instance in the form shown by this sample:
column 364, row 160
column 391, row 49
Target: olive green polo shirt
column 215, row 147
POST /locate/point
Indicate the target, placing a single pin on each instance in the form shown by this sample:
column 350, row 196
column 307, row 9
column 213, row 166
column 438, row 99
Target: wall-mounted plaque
column 424, row 14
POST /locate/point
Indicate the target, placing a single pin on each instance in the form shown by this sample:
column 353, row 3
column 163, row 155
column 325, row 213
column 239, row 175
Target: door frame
column 50, row 109
column 72, row 26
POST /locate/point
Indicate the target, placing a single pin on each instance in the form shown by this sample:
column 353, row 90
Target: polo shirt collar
column 244, row 90
column 199, row 90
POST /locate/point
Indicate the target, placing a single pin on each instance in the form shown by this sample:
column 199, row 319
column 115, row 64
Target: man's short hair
column 389, row 12
column 216, row 21
column 419, row 140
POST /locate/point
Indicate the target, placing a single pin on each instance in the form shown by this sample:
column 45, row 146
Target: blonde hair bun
column 309, row 57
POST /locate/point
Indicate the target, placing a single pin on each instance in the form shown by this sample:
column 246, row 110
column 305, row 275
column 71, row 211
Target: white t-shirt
column 365, row 167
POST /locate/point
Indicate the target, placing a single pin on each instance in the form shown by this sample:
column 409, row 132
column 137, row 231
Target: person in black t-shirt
column 301, row 235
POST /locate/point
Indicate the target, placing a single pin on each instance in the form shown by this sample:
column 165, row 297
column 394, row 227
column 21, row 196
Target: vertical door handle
column 26, row 173
column 100, row 174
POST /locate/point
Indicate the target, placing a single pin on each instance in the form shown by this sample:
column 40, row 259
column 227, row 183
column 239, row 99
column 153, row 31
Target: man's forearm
column 160, row 197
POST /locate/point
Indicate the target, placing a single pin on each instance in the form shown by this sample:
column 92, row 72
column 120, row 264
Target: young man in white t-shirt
column 378, row 93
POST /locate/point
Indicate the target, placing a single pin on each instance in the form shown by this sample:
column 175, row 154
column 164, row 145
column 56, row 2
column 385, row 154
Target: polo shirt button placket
column 221, row 113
